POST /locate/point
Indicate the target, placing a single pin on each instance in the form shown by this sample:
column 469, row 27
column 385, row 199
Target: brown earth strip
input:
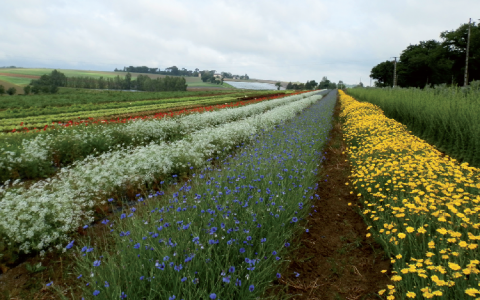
column 19, row 75
column 334, row 259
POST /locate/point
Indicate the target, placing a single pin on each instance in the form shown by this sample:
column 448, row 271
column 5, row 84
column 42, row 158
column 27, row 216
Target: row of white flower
column 42, row 147
column 43, row 214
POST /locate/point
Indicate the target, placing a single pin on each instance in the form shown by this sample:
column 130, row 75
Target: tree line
column 50, row 83
column 175, row 71
column 325, row 83
column 434, row 62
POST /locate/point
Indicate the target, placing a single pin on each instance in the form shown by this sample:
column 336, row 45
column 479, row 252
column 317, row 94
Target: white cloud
column 267, row 39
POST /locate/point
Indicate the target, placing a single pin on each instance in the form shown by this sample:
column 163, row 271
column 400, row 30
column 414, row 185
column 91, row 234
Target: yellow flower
column 410, row 229
column 472, row 292
column 421, row 230
column 430, row 254
column 454, row 266
column 401, row 235
column 384, row 271
column 442, row 231
column 396, row 278
column 390, row 287
column 463, row 244
column 381, row 292
column 431, row 245
column 411, row 295
column 399, row 256
column 368, row 234
column 437, row 293
column 390, row 297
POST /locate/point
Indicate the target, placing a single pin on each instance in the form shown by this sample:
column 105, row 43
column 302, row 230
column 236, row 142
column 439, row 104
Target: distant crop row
column 68, row 97
column 38, row 118
column 22, row 157
column 448, row 118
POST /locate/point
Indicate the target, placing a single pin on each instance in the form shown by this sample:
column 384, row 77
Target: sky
column 279, row 40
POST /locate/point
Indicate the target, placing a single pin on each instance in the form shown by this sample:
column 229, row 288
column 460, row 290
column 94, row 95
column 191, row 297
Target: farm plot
column 29, row 158
column 41, row 215
column 420, row 205
column 222, row 234
column 16, row 118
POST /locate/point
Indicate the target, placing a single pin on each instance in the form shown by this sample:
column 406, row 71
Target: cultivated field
column 278, row 196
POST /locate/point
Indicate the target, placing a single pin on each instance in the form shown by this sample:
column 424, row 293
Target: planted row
column 43, row 214
column 421, row 206
column 42, row 155
column 224, row 233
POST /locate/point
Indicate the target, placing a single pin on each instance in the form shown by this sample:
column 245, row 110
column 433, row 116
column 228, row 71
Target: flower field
column 420, row 205
column 223, row 233
column 75, row 108
column 446, row 117
column 40, row 155
column 41, row 215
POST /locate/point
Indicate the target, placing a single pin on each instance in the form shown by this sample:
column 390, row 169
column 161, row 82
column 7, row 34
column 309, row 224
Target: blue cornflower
column 96, row 263
column 96, row 292
column 249, row 238
column 274, row 253
column 296, row 274
column 85, row 227
column 104, row 222
column 277, row 258
column 133, row 209
column 279, row 275
column 136, row 246
column 123, row 216
column 294, row 219
column 231, row 269
column 166, row 258
column 184, row 279
column 123, row 295
column 263, row 240
column 106, row 284
column 306, row 230
column 213, row 296
column 84, row 248
column 110, row 200
column 172, row 298
column 142, row 277
column 238, row 282
column 50, row 283
column 242, row 250
column 70, row 245
column 79, row 276
column 226, row 279
column 287, row 244
column 251, row 288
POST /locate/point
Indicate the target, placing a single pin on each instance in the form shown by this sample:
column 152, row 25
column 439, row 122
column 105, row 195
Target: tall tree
column 383, row 74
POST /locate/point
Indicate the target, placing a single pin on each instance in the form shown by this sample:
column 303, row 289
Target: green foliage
column 27, row 90
column 35, row 268
column 2, row 90
column 12, row 91
column 48, row 84
column 445, row 117
column 434, row 62
column 383, row 74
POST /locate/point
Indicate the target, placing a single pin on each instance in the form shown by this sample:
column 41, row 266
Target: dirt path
column 334, row 259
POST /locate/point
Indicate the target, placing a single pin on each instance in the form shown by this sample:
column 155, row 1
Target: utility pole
column 395, row 72
column 465, row 82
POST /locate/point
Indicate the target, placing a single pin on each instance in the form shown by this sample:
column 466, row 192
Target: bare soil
column 19, row 75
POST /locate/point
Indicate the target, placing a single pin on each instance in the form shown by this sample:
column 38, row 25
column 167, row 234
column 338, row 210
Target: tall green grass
column 448, row 118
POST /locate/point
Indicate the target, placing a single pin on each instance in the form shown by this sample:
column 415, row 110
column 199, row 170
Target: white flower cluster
column 39, row 151
column 44, row 213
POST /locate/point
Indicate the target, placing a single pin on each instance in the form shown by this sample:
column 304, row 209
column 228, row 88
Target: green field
column 195, row 82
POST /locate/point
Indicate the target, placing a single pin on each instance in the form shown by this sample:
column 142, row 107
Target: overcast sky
column 281, row 40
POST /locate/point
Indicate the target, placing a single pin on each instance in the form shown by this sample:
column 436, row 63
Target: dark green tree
column 341, row 85
column 289, row 86
column 324, row 83
column 2, row 90
column 278, row 85
column 26, row 89
column 383, row 74
column 12, row 91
